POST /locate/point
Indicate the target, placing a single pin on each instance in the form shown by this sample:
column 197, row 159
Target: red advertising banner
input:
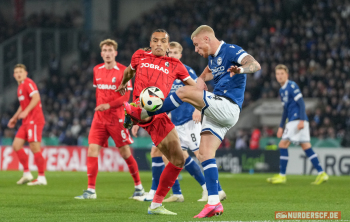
column 65, row 158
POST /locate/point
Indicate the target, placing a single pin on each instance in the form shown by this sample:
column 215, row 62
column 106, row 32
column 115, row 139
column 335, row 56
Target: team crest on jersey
column 167, row 64
column 114, row 80
column 219, row 61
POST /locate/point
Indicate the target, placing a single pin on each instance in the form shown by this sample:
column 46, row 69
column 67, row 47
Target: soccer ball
column 151, row 98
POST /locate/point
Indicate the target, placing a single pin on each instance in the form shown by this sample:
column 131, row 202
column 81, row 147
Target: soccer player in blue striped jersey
column 297, row 128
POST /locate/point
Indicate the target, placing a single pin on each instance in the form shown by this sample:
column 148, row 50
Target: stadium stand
column 273, row 31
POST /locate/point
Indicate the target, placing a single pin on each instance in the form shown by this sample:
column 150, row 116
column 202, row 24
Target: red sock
column 133, row 169
column 40, row 163
column 92, row 170
column 166, row 181
column 23, row 159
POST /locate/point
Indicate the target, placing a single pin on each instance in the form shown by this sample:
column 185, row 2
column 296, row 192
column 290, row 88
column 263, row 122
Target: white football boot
column 41, row 180
column 25, row 178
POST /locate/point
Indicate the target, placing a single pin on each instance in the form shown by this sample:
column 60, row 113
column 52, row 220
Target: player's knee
column 93, row 151
column 179, row 162
column 16, row 147
column 155, row 152
column 125, row 152
column 283, row 144
column 181, row 92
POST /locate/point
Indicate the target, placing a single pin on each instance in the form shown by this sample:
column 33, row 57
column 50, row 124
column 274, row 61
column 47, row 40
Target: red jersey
column 159, row 71
column 25, row 91
column 106, row 82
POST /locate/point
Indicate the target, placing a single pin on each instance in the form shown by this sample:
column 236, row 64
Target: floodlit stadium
column 257, row 95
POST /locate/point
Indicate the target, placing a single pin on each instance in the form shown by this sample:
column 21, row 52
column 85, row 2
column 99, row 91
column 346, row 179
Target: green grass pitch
column 249, row 197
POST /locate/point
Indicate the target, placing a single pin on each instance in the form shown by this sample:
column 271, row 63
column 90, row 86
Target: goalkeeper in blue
column 296, row 130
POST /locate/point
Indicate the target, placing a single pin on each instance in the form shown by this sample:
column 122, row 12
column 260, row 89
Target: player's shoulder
column 121, row 66
column 140, row 52
column 232, row 48
column 99, row 66
column 190, row 70
column 292, row 84
column 28, row 81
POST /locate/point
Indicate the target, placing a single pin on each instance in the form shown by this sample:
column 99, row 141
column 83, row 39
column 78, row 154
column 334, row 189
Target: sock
column 139, row 187
column 170, row 103
column 204, row 187
column 195, row 171
column 23, row 159
column 92, row 170
column 219, row 186
column 314, row 160
column 176, row 187
column 40, row 163
column 166, row 181
column 283, row 161
column 157, row 169
column 133, row 169
column 211, row 175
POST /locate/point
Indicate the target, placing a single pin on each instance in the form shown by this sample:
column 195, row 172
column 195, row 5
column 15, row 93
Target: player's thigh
column 191, row 95
column 155, row 152
column 34, row 147
column 170, row 147
column 209, row 145
column 34, row 133
column 94, row 150
column 284, row 144
column 98, row 134
column 220, row 109
column 18, row 143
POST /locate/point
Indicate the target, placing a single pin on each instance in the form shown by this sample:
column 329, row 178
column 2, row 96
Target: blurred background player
column 154, row 68
column 33, row 121
column 296, row 130
column 109, row 118
column 227, row 65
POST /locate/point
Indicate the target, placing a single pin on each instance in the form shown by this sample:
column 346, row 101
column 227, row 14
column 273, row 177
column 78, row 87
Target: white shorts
column 294, row 135
column 189, row 134
column 220, row 114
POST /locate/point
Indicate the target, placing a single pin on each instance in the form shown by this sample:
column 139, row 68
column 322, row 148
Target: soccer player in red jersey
column 31, row 113
column 154, row 68
column 109, row 118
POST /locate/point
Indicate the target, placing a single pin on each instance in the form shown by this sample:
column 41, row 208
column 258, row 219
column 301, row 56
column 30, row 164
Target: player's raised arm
column 129, row 73
column 249, row 65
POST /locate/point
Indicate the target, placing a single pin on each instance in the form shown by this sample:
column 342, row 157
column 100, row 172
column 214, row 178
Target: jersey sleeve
column 31, row 88
column 236, row 53
column 135, row 59
column 94, row 79
column 182, row 73
column 294, row 90
column 129, row 86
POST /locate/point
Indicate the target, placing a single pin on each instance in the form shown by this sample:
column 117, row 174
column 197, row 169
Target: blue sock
column 195, row 171
column 170, row 103
column 157, row 169
column 313, row 158
column 219, row 186
column 283, row 161
column 211, row 175
column 176, row 187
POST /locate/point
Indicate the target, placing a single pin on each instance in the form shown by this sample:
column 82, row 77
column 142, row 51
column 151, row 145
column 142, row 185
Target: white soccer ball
column 151, row 98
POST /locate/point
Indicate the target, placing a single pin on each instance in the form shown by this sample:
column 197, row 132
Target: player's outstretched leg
column 281, row 177
column 322, row 176
column 40, row 163
column 92, row 170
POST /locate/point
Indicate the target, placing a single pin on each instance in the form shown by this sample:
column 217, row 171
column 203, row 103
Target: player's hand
column 103, row 107
column 301, row 125
column 234, row 70
column 23, row 115
column 197, row 117
column 12, row 123
column 201, row 84
column 279, row 132
column 134, row 130
column 122, row 89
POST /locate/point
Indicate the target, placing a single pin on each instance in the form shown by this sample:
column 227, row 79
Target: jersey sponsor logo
column 114, row 80
column 242, row 50
column 106, row 86
column 219, row 61
column 152, row 66
column 218, row 69
column 21, row 98
column 175, row 87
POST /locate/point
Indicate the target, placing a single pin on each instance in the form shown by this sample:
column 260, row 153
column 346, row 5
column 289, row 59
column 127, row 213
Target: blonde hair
column 19, row 65
column 109, row 42
column 202, row 28
column 281, row 66
column 176, row 45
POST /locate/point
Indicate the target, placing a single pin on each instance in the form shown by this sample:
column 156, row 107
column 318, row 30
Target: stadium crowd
column 310, row 37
